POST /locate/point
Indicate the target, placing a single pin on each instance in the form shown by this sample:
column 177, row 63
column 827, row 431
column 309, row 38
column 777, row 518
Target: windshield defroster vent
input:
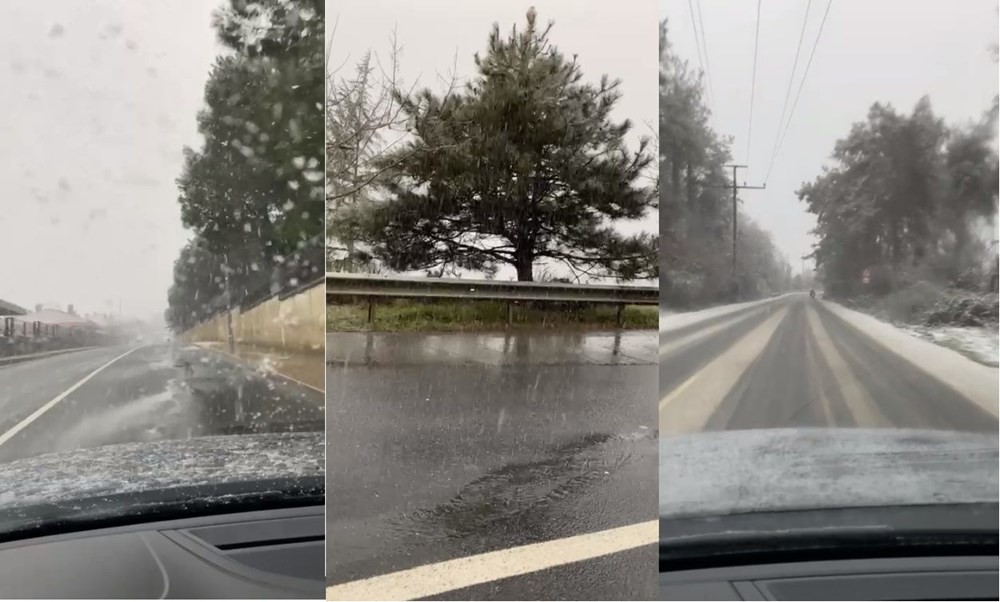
column 290, row 546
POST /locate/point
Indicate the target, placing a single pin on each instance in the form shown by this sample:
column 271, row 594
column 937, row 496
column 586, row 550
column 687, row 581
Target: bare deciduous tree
column 364, row 122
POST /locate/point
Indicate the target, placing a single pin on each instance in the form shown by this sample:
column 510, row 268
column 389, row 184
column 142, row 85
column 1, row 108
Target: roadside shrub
column 909, row 304
column 965, row 310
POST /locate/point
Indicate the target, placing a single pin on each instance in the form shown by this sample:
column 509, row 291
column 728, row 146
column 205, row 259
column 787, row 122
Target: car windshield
column 491, row 347
column 161, row 275
column 828, row 214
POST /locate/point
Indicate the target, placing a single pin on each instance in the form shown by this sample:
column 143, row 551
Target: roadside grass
column 406, row 315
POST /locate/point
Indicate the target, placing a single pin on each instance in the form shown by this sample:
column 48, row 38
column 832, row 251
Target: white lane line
column 686, row 409
column 816, row 385
column 450, row 575
column 859, row 403
column 48, row 406
column 976, row 382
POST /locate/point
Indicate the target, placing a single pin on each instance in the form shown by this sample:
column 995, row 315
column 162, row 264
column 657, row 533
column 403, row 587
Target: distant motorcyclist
column 812, row 293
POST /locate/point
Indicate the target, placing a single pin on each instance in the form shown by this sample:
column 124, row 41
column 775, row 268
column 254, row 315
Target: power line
column 697, row 41
column 788, row 91
column 704, row 45
column 798, row 93
column 753, row 80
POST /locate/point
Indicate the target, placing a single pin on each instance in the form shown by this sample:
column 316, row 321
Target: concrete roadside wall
column 296, row 323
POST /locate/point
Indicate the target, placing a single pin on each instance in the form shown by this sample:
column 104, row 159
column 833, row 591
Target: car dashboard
column 260, row 554
column 943, row 552
column 925, row 578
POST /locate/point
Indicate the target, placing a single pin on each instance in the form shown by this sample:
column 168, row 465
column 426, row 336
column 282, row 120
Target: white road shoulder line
column 255, row 367
column 450, row 575
column 49, row 405
column 671, row 322
column 976, row 382
column 680, row 343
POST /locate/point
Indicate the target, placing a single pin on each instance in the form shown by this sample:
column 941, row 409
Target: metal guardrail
column 14, row 359
column 365, row 285
column 378, row 286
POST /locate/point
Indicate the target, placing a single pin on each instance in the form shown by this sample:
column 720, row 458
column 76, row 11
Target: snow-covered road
column 794, row 361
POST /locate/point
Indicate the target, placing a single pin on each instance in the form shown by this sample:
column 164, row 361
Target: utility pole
column 736, row 187
column 229, row 313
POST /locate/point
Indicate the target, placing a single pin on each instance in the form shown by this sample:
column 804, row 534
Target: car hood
column 747, row 471
column 123, row 479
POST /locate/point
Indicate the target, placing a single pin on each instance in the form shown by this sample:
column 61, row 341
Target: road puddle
column 165, row 414
column 307, row 368
column 522, row 492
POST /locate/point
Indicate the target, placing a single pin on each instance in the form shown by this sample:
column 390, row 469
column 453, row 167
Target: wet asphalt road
column 792, row 362
column 153, row 392
column 448, row 446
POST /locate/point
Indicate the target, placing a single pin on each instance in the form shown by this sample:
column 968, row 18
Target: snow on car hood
column 731, row 472
column 114, row 470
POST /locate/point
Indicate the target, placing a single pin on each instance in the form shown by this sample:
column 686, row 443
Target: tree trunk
column 691, row 182
column 349, row 260
column 958, row 254
column 675, row 180
column 893, row 244
column 524, row 264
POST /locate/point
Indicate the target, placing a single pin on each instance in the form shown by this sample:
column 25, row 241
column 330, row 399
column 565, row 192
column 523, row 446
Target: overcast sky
column 99, row 98
column 432, row 33
column 891, row 51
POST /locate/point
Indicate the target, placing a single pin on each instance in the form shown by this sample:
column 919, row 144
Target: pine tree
column 523, row 165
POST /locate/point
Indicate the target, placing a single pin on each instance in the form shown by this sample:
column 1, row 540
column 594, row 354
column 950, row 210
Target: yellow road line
column 679, row 390
column 687, row 408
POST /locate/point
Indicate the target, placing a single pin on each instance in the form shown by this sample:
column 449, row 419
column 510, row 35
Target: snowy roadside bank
column 974, row 380
column 962, row 320
column 670, row 320
column 978, row 344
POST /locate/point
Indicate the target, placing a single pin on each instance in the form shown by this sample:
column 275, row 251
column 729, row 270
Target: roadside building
column 51, row 322
column 11, row 309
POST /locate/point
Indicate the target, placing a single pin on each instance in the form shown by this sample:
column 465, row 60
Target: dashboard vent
column 288, row 546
